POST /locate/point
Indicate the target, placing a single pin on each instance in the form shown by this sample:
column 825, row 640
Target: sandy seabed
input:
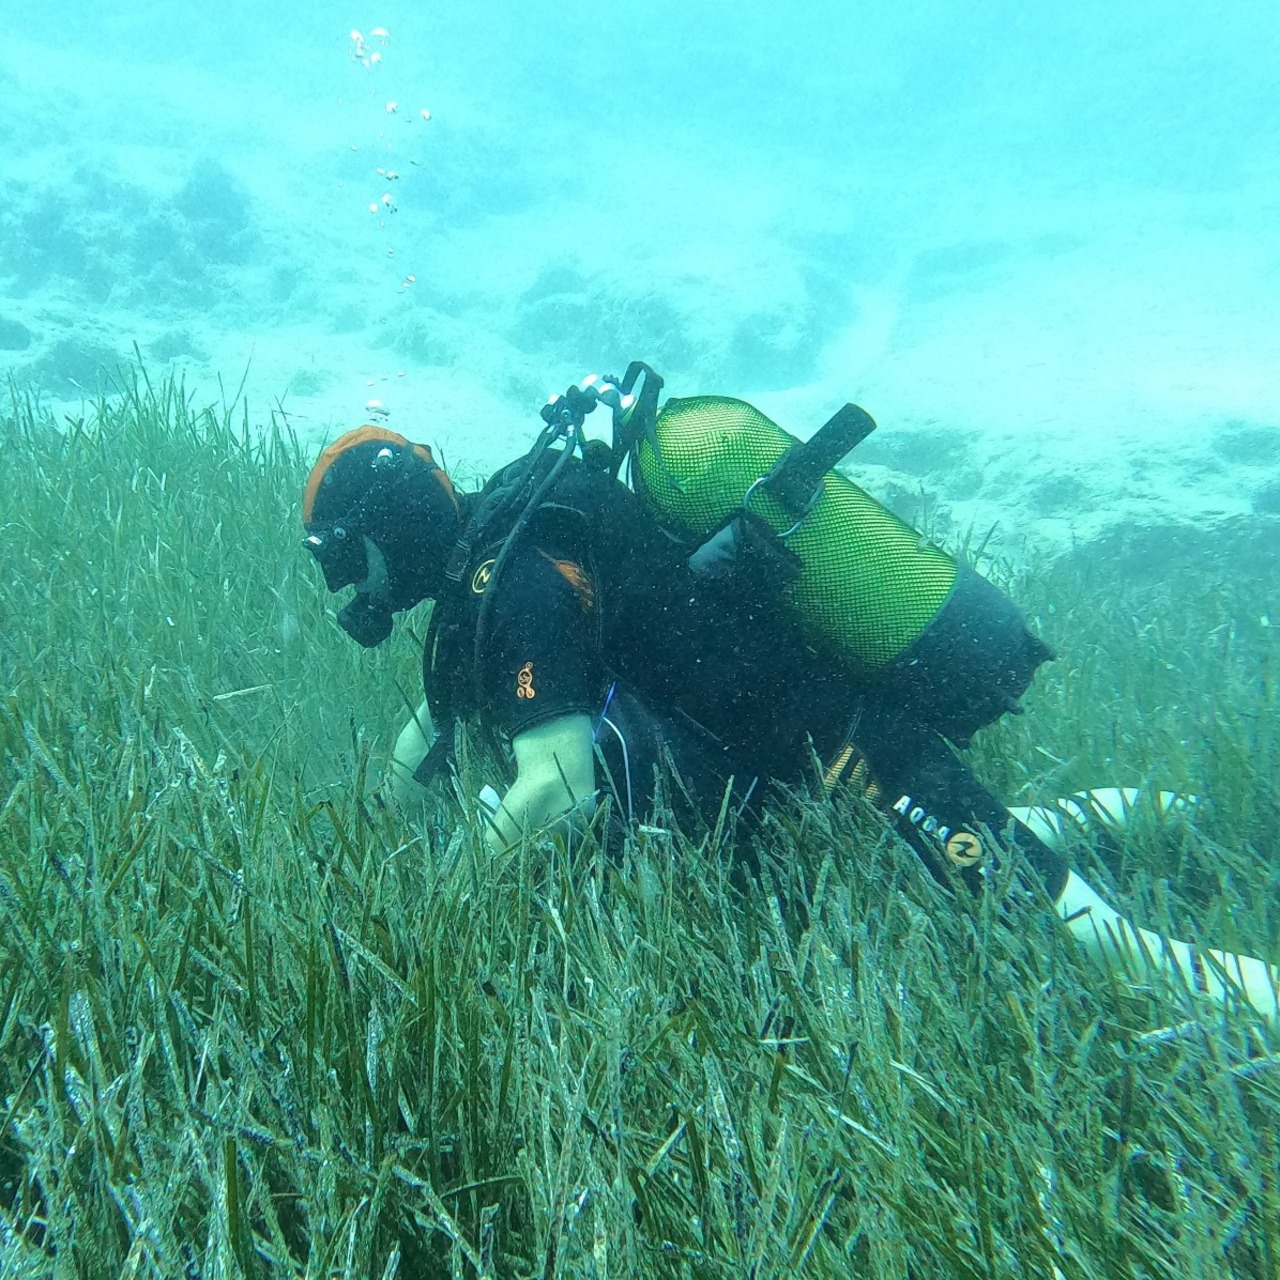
column 1055, row 364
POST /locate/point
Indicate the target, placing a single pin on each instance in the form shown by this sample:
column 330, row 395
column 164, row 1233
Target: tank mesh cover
column 870, row 584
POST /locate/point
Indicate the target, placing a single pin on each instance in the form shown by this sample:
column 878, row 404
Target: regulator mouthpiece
column 365, row 621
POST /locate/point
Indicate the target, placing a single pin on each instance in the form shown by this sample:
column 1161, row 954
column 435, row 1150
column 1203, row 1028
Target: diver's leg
column 1103, row 809
column 947, row 816
column 933, row 799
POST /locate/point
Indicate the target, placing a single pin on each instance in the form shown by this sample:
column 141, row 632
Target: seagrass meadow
column 253, row 1024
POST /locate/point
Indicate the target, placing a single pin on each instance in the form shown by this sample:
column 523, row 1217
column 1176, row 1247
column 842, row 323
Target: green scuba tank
column 867, row 585
column 771, row 518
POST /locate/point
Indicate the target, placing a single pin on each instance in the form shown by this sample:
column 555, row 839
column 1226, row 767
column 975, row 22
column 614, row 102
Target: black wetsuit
column 597, row 613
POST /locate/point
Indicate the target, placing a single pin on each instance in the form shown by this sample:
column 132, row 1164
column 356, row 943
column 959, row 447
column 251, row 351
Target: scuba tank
column 764, row 516
column 754, row 503
column 867, row 586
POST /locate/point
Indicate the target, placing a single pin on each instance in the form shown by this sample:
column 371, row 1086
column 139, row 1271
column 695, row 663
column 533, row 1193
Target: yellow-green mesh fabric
column 868, row 589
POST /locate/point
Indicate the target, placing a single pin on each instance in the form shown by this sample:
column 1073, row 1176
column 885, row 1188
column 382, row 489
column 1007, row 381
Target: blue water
column 1055, row 224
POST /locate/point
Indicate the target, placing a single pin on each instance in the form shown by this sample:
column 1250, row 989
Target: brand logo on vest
column 480, row 579
column 524, row 682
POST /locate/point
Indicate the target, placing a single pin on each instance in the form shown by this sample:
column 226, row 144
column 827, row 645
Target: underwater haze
column 1039, row 243
column 253, row 1022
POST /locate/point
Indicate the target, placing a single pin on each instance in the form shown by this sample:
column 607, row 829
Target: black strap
column 796, row 481
column 509, row 543
column 513, row 483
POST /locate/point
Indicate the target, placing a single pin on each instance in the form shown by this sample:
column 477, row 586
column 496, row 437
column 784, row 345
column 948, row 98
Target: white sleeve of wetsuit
column 555, row 775
column 411, row 747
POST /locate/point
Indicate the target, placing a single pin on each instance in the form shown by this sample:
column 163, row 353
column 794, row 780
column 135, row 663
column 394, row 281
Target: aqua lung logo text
column 919, row 816
column 963, row 848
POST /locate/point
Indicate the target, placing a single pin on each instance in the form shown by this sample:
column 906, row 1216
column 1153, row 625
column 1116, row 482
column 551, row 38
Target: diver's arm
column 555, row 772
column 409, row 752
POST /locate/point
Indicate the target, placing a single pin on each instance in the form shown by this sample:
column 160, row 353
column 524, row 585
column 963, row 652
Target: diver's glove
column 555, row 778
column 1140, row 955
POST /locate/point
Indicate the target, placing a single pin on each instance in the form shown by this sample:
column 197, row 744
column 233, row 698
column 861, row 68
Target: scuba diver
column 692, row 639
